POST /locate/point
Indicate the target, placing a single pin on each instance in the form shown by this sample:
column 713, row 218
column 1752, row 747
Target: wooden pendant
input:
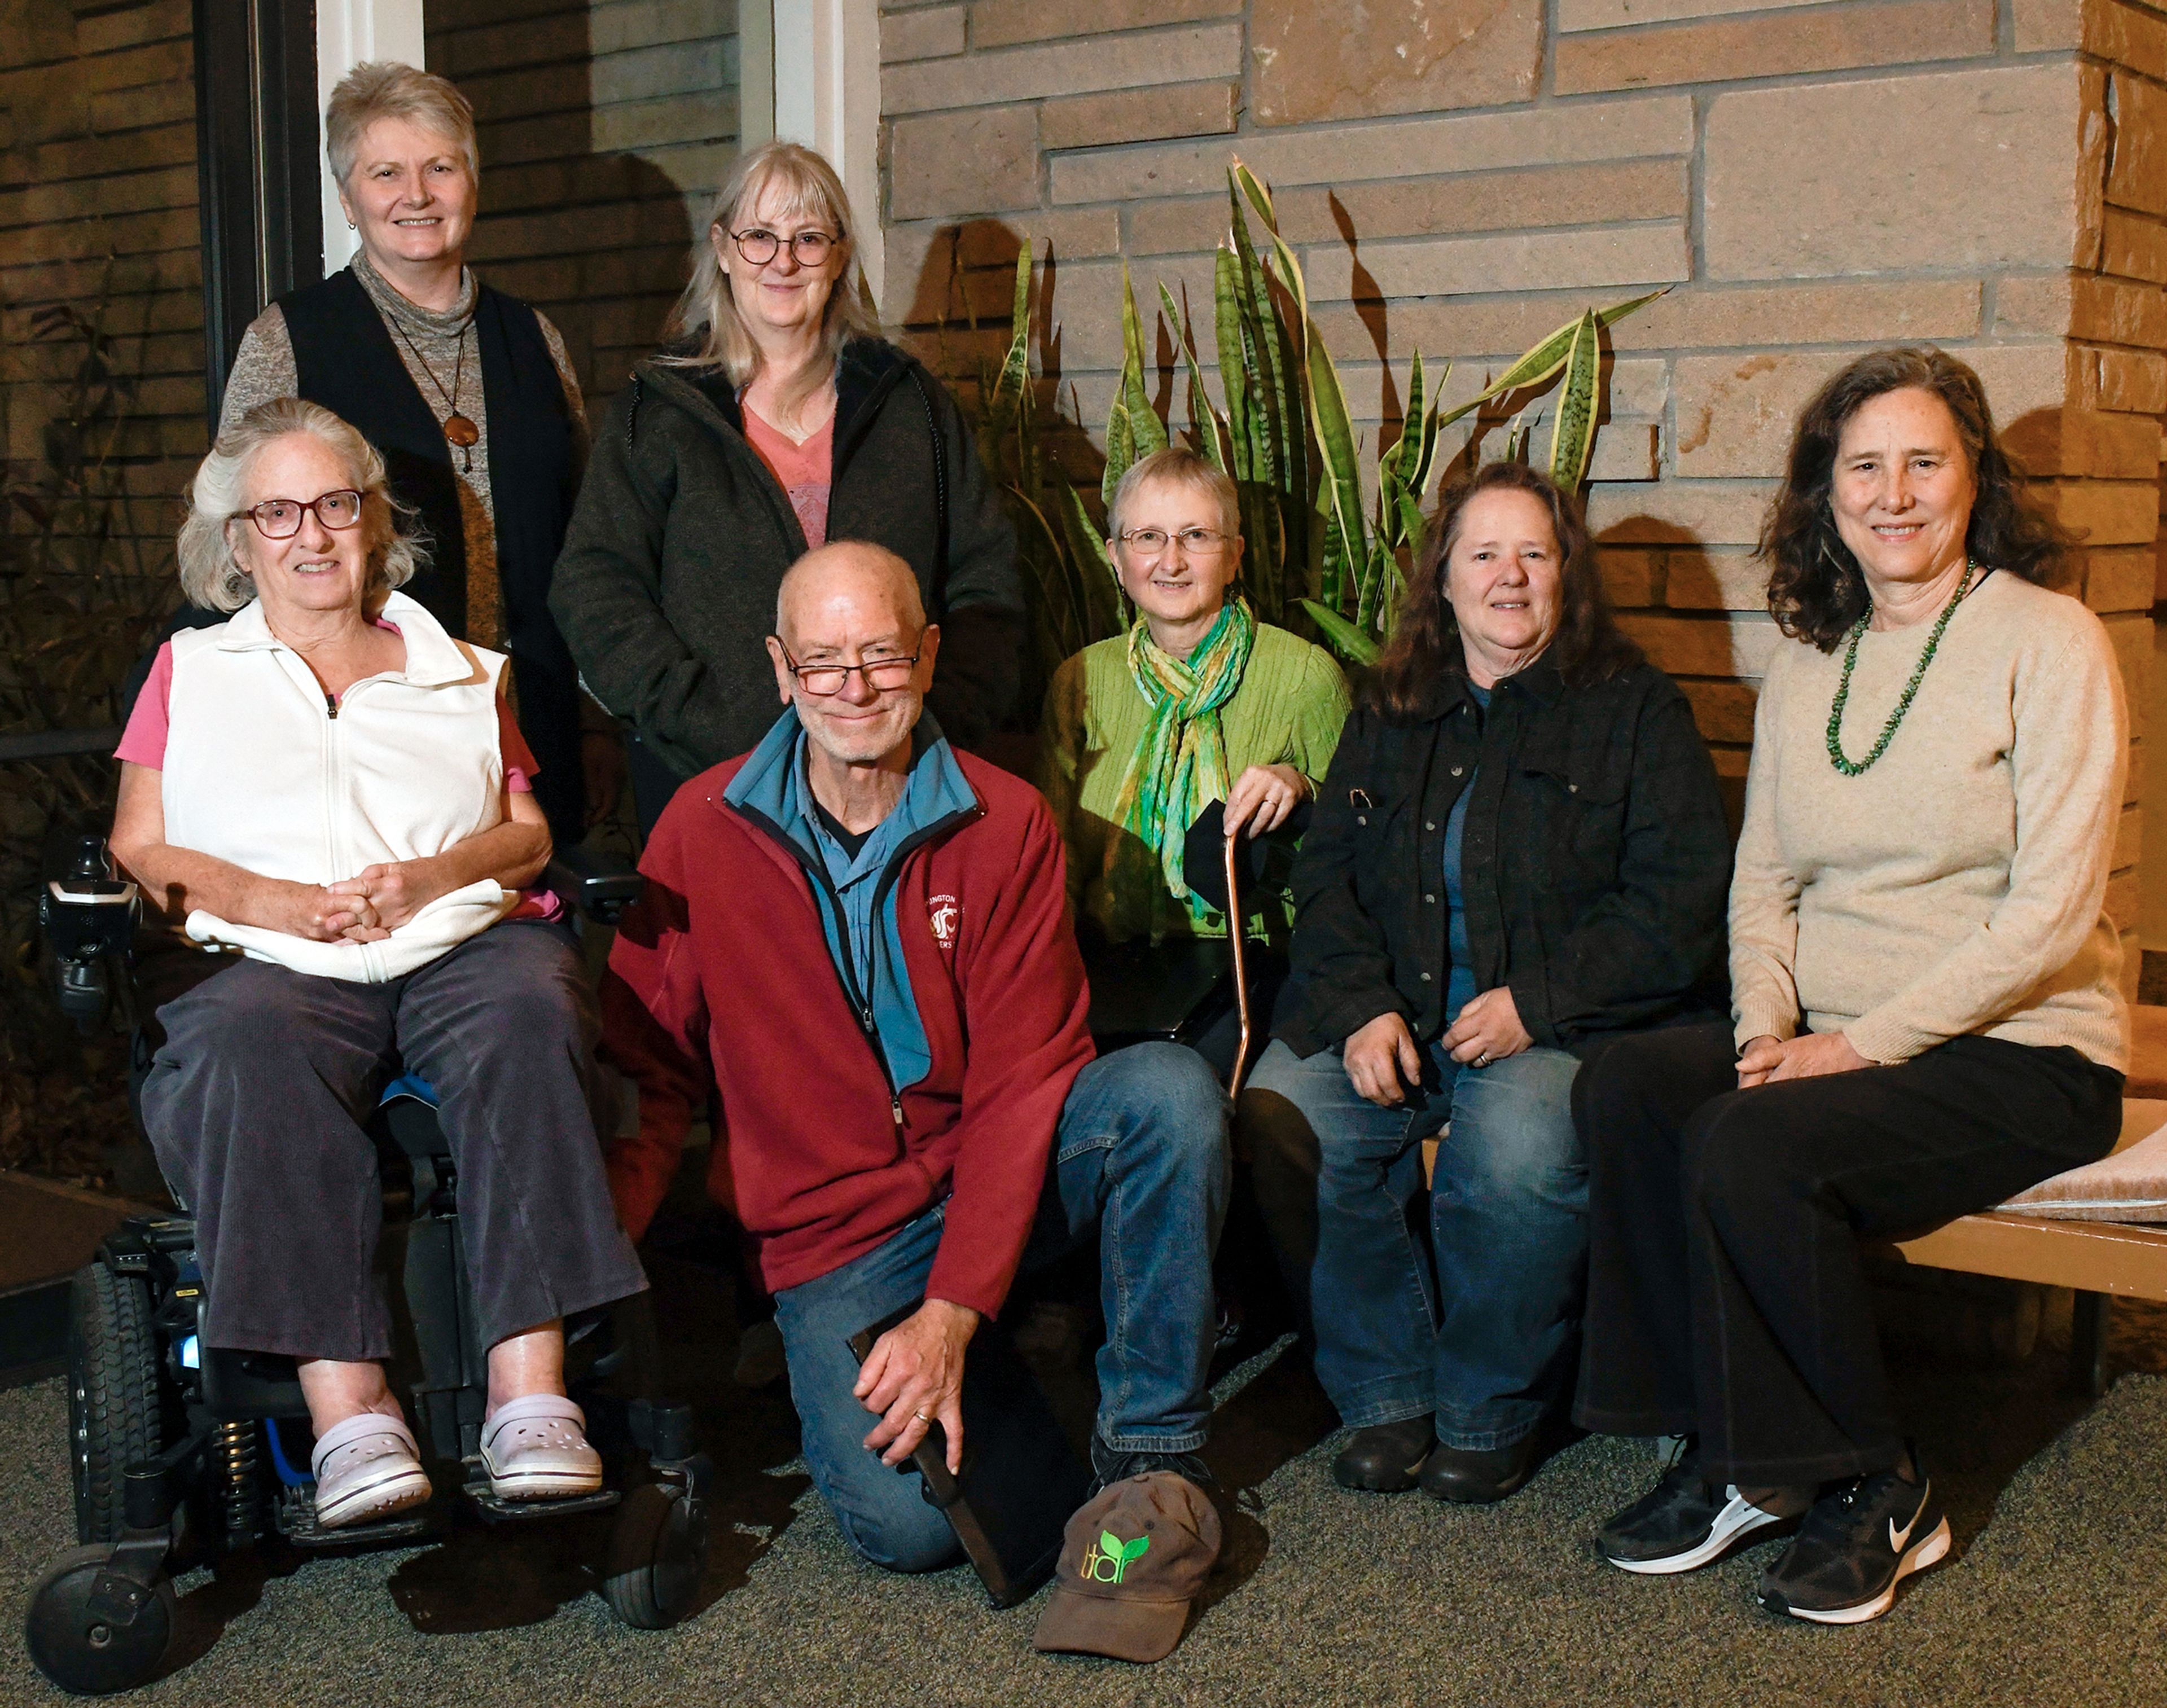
column 461, row 431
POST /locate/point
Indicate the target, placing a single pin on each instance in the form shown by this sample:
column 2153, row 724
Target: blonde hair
column 386, row 89
column 211, row 575
column 1177, row 466
column 707, row 311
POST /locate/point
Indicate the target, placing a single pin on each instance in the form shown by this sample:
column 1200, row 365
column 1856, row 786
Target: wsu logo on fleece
column 942, row 913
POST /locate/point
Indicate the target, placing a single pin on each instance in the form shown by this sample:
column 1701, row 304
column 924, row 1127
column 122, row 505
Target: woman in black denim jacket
column 1519, row 852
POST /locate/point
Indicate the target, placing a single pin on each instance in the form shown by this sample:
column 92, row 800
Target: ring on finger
column 921, row 1417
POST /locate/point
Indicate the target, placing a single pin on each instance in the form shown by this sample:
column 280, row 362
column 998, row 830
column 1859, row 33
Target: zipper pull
column 895, row 1108
column 865, row 1020
column 331, row 704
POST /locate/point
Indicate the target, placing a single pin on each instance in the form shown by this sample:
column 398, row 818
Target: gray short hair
column 211, row 575
column 386, row 89
column 1179, row 466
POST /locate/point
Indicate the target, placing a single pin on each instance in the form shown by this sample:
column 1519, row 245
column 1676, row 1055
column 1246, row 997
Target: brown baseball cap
column 1133, row 1561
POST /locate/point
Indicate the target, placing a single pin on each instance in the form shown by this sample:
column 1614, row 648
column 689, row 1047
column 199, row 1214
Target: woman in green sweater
column 1198, row 703
column 1928, row 1015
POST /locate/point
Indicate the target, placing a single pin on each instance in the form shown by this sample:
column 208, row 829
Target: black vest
column 345, row 358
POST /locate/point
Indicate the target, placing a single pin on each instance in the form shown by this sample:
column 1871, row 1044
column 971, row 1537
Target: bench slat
column 2091, row 1257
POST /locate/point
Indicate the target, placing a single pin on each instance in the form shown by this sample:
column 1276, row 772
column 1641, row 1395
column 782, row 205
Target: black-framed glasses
column 1148, row 543
column 881, row 674
column 758, row 246
column 280, row 518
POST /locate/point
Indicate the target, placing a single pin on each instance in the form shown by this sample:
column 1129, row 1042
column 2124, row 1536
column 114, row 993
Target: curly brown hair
column 1816, row 589
column 1426, row 645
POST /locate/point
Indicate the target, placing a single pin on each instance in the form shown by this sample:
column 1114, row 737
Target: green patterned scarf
column 1180, row 764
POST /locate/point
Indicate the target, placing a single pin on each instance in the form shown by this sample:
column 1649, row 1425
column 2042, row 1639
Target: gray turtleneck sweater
column 429, row 343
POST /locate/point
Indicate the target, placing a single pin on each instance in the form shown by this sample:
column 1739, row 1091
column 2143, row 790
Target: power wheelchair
column 181, row 1452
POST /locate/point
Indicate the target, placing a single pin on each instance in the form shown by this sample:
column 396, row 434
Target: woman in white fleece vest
column 328, row 792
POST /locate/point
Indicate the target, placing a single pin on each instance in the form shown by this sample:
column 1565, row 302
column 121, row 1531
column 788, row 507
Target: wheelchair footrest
column 296, row 1520
column 496, row 1511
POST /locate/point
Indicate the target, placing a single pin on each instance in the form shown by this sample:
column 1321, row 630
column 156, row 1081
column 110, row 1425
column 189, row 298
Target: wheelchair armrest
column 88, row 918
column 602, row 886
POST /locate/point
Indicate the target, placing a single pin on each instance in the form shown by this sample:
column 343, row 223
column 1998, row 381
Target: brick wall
column 98, row 196
column 606, row 126
column 1460, row 176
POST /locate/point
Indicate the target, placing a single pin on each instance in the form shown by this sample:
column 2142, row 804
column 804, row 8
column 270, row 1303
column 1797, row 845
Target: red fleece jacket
column 723, row 964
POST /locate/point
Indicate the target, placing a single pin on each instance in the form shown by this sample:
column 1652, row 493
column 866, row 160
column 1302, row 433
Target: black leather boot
column 1477, row 1478
column 1385, row 1458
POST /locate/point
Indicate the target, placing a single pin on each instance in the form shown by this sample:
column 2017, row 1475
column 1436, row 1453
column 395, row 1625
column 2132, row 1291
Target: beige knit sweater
column 1958, row 886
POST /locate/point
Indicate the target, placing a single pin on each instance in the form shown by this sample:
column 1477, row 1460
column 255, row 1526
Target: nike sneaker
column 1863, row 1538
column 1684, row 1522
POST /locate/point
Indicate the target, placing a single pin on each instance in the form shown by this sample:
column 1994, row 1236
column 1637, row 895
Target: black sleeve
column 980, row 603
column 1339, row 954
column 1656, row 935
column 606, row 594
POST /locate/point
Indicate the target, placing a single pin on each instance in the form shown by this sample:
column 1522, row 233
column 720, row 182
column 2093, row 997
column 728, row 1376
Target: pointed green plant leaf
column 1203, row 419
column 1341, row 635
column 1572, row 429
column 1005, row 397
column 1110, row 1545
column 1135, row 1550
column 1340, row 496
column 1542, row 362
column 1227, row 327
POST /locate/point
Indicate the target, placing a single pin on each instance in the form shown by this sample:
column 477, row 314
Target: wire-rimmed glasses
column 881, row 675
column 1151, row 544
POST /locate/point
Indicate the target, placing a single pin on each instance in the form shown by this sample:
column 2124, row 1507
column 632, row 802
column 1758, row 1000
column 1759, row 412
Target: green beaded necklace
column 1851, row 768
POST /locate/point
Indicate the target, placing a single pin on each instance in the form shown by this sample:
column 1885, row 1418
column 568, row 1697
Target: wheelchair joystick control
column 89, row 918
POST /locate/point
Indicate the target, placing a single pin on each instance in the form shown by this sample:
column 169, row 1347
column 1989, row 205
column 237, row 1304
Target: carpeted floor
column 2057, row 1594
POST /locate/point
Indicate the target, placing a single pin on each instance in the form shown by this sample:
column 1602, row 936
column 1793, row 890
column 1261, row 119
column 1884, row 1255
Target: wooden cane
column 1234, row 935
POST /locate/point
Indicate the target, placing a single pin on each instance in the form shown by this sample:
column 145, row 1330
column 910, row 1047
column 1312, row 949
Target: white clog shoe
column 535, row 1448
column 367, row 1468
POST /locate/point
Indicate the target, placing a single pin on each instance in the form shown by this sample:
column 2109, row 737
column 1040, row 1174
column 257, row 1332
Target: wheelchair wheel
column 83, row 1653
column 658, row 1555
column 114, row 1409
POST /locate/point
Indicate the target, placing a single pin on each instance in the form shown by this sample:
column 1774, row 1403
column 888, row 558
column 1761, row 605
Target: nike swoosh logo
column 1897, row 1537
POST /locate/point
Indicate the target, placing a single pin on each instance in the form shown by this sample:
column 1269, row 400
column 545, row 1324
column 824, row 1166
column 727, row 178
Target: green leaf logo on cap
column 1108, row 1561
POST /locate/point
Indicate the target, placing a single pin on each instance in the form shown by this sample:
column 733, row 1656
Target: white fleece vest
column 259, row 772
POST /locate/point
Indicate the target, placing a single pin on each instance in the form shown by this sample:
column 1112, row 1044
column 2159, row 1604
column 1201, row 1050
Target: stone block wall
column 606, row 127
column 97, row 203
column 1461, row 176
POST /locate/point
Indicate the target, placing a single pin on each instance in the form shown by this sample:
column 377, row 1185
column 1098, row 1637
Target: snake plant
column 1282, row 432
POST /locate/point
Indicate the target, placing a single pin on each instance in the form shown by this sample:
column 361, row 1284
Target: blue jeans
column 1487, row 1341
column 1139, row 1159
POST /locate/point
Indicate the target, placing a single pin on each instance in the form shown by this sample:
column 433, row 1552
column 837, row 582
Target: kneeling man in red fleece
column 860, row 933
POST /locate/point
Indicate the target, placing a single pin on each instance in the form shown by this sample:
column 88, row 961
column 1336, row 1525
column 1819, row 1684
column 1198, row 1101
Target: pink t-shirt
column 143, row 743
column 805, row 472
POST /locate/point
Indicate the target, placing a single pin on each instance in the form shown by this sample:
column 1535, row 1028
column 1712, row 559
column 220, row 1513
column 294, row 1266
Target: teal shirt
column 865, row 942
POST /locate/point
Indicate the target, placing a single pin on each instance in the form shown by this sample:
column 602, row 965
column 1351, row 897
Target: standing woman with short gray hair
column 468, row 394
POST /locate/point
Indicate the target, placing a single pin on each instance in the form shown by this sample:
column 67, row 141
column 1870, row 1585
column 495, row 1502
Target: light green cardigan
column 1287, row 712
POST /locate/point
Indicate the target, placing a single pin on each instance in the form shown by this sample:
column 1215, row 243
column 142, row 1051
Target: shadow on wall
column 605, row 130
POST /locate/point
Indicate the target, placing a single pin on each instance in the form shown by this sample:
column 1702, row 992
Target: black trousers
column 255, row 1103
column 1726, row 1296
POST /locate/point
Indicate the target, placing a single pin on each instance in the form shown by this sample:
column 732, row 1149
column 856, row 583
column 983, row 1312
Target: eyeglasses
column 1150, row 543
column 280, row 518
column 758, row 246
column 881, row 674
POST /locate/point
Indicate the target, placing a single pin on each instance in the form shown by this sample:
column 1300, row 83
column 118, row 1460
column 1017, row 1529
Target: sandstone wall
column 97, row 198
column 1460, row 176
column 606, row 126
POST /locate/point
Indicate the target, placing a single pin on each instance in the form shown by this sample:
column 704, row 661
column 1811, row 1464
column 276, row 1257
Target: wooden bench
column 2100, row 1259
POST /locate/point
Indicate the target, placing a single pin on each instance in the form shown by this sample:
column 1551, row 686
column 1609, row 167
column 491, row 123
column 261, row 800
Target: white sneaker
column 367, row 1468
column 535, row 1448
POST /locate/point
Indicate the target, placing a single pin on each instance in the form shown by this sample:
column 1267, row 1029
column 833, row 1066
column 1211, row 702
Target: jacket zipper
column 860, row 1005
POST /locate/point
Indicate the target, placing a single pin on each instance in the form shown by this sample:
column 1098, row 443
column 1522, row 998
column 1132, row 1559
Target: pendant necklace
column 1850, row 767
column 458, row 428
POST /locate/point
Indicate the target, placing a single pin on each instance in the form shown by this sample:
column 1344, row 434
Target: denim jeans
column 1487, row 1341
column 1139, row 1159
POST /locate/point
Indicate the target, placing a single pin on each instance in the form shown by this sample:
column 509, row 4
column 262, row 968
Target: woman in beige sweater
column 1924, row 990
